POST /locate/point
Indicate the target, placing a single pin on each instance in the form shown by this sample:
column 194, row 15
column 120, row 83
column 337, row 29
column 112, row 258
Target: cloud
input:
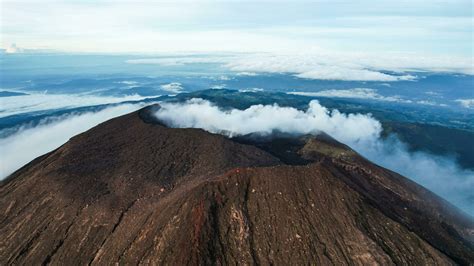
column 361, row 132
column 129, row 83
column 431, row 103
column 441, row 175
column 251, row 90
column 311, row 66
column 330, row 65
column 43, row 101
column 357, row 93
column 363, row 93
column 174, row 87
column 218, row 86
column 30, row 142
column 342, row 73
column 13, row 49
column 466, row 103
column 327, row 65
column 248, row 74
column 261, row 118
column 435, row 27
column 179, row 60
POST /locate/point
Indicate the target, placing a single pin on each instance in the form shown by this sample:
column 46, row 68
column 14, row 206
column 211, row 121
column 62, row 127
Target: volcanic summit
column 133, row 191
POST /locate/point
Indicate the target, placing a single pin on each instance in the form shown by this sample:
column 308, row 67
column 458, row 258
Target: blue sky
column 431, row 28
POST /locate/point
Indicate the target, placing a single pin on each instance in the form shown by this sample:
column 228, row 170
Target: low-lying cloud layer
column 44, row 101
column 328, row 65
column 28, row 143
column 357, row 93
column 361, row 132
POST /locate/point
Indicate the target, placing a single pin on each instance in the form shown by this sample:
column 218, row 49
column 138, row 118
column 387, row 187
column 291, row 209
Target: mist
column 361, row 132
column 27, row 143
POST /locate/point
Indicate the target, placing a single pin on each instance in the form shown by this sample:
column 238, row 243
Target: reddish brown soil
column 132, row 191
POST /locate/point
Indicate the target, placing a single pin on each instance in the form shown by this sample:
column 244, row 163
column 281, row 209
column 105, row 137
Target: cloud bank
column 28, row 143
column 43, row 101
column 357, row 93
column 322, row 64
column 330, row 65
column 361, row 132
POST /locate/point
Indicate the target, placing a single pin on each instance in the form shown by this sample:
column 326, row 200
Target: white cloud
column 179, row 60
column 251, row 90
column 357, row 93
column 361, row 132
column 130, row 83
column 329, row 65
column 13, row 49
column 248, row 74
column 341, row 73
column 261, row 118
column 441, row 175
column 157, row 26
column 467, row 103
column 431, row 103
column 30, row 142
column 43, row 101
column 218, row 87
column 174, row 87
column 323, row 64
column 363, row 93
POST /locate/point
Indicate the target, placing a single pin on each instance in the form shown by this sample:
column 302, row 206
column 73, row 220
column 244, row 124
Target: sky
column 428, row 28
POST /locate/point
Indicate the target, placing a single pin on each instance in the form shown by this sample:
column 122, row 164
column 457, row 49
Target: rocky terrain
column 133, row 191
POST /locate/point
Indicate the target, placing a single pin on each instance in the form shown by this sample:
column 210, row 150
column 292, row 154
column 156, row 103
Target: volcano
column 133, row 191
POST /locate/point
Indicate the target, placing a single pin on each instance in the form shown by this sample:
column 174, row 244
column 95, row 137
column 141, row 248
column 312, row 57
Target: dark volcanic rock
column 133, row 191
